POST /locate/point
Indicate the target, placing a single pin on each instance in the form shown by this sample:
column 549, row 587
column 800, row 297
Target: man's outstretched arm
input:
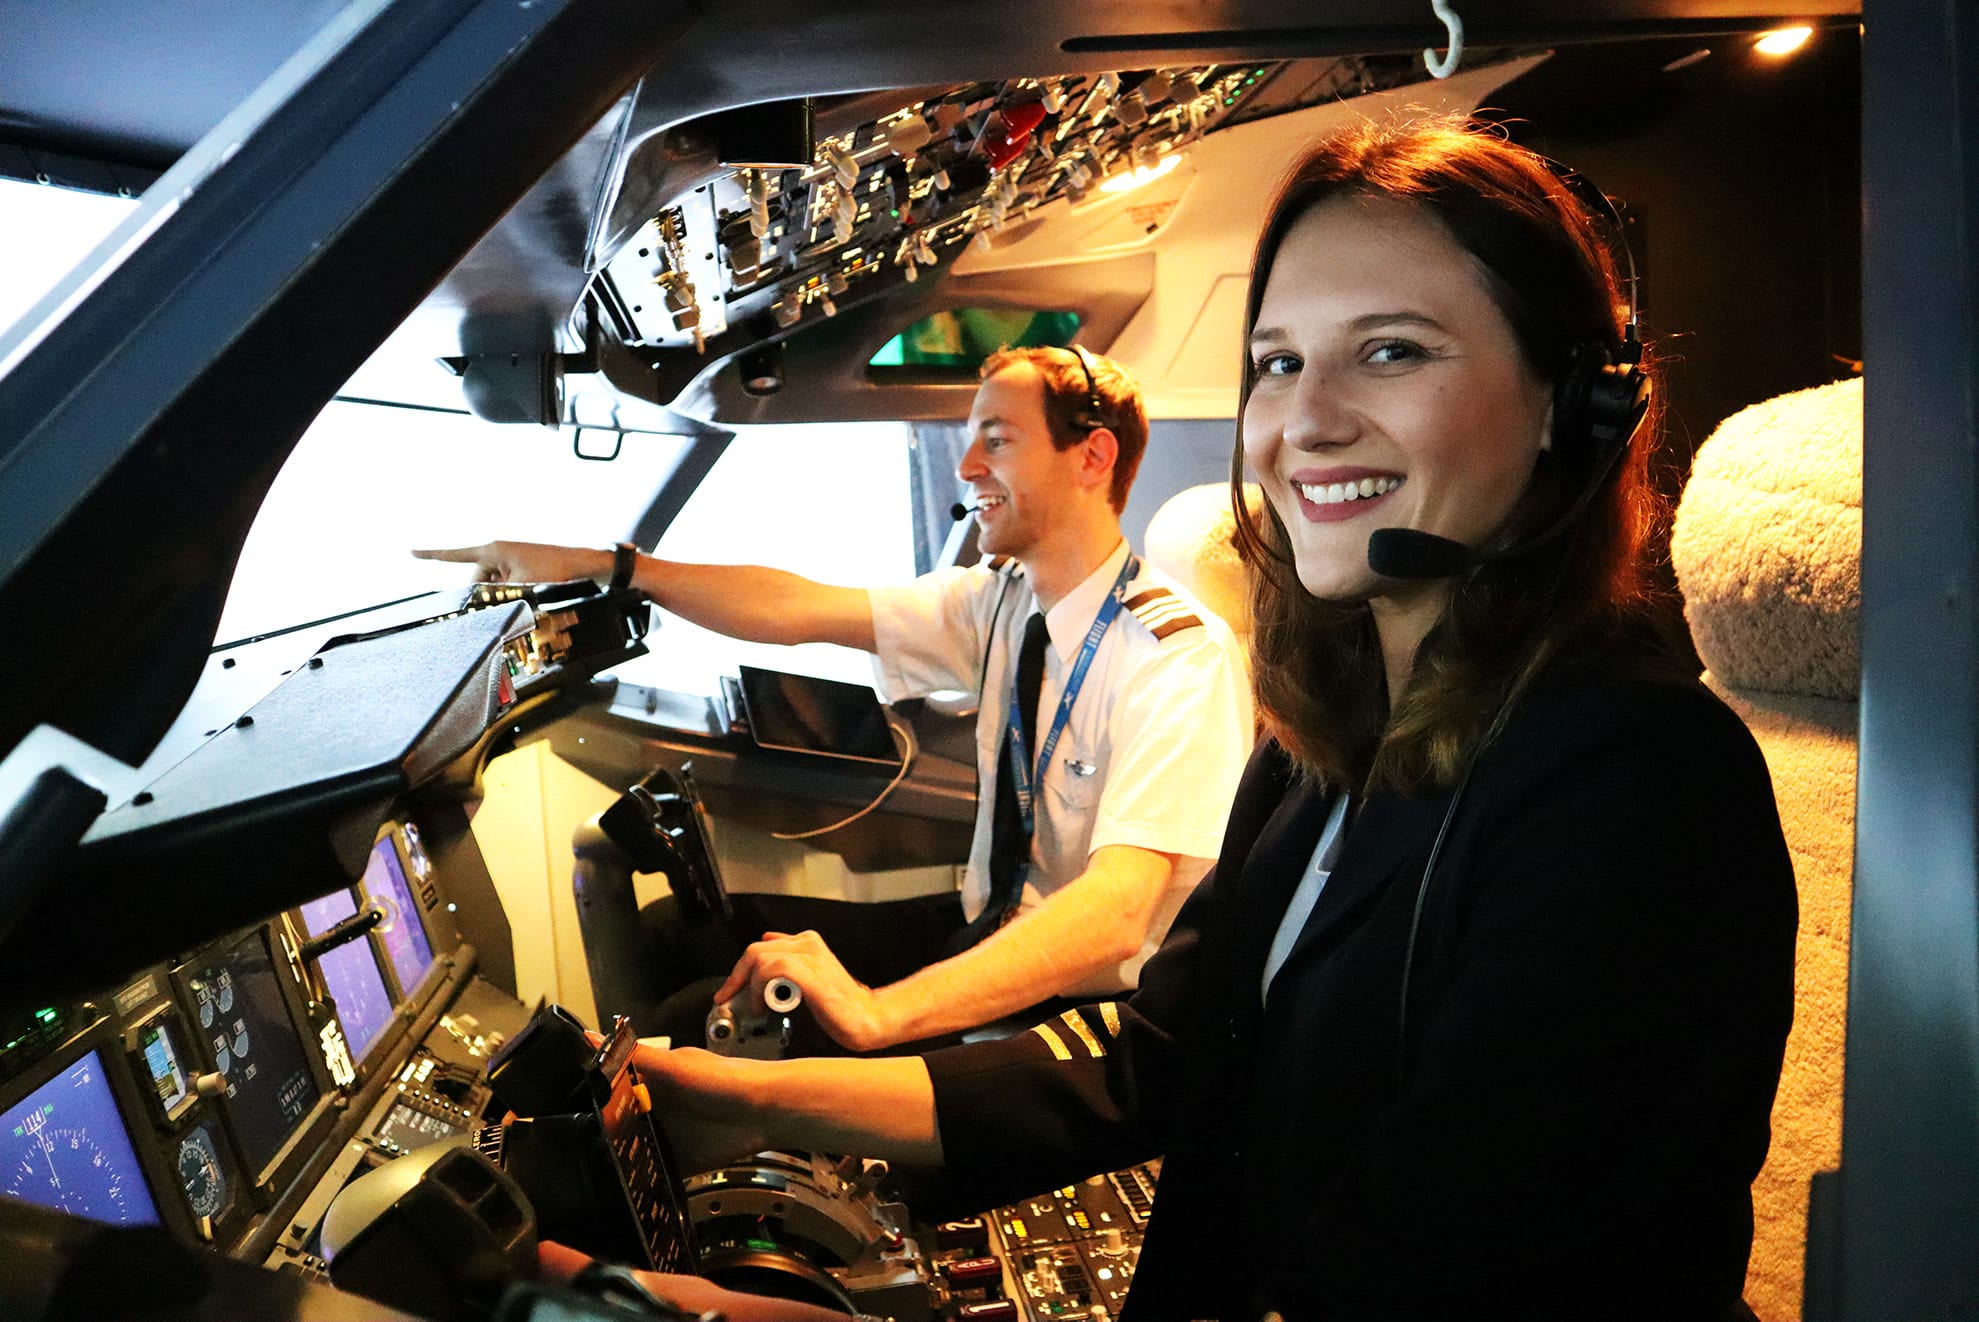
column 749, row 602
column 1096, row 921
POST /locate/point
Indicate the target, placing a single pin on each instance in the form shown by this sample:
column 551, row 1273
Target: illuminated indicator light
column 1783, row 41
column 1145, row 174
column 453, row 908
column 46, row 1016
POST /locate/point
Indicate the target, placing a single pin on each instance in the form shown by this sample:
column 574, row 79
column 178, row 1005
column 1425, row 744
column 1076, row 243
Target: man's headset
column 1094, row 417
column 1598, row 407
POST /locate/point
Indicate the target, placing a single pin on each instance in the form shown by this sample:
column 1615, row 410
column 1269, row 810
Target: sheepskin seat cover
column 1190, row 540
column 1767, row 545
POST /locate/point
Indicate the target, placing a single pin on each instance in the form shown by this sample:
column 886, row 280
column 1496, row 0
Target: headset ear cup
column 1571, row 436
column 1600, row 404
column 1617, row 402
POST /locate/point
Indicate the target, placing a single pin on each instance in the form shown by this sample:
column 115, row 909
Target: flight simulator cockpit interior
column 348, row 894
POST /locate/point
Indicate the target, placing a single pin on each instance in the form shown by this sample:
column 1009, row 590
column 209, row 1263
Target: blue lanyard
column 1020, row 763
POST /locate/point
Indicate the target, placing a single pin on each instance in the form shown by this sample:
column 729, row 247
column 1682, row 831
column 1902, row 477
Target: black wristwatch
column 625, row 559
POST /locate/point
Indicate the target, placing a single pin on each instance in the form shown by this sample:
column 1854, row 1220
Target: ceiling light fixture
column 1783, row 41
column 1128, row 180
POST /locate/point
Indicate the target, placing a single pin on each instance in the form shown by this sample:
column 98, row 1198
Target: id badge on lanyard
column 1023, row 774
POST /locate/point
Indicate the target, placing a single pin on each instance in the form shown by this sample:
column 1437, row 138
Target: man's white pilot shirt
column 1157, row 738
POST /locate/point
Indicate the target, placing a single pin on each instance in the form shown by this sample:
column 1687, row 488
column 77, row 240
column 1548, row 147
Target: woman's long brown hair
column 1317, row 665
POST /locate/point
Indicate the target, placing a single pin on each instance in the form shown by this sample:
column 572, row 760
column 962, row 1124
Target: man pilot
column 1141, row 719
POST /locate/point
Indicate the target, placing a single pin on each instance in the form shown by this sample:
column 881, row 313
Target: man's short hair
column 1067, row 405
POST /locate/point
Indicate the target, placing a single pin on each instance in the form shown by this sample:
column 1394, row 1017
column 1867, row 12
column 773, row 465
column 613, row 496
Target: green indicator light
column 894, row 212
column 46, row 1016
column 763, row 1245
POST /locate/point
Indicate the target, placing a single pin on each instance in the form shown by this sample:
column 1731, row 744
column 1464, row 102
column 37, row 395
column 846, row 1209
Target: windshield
column 830, row 501
column 368, row 483
column 44, row 233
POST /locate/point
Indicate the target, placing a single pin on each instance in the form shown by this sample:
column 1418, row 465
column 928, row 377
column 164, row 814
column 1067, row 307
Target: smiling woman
column 1430, row 295
column 1481, row 1011
column 1388, row 391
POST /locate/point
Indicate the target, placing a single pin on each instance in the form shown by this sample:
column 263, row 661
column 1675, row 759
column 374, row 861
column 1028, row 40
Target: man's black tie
column 1010, row 843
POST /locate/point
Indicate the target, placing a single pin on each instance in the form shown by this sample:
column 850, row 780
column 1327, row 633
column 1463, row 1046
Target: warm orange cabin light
column 1128, row 180
column 1783, row 41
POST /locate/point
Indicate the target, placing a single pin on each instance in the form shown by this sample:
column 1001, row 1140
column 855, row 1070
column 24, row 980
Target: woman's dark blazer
column 1568, row 1121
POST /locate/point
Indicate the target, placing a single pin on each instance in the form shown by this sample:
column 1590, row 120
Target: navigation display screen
column 350, row 972
column 254, row 1043
column 65, row 1147
column 405, row 939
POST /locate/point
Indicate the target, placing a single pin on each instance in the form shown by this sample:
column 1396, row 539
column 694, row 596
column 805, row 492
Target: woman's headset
column 1600, row 404
column 1603, row 398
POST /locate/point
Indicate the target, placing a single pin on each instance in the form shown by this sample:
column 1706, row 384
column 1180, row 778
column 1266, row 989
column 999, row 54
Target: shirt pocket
column 1073, row 780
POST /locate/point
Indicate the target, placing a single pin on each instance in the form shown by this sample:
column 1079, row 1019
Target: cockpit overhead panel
column 760, row 252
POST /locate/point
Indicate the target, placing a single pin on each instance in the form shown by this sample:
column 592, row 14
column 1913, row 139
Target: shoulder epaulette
column 1162, row 612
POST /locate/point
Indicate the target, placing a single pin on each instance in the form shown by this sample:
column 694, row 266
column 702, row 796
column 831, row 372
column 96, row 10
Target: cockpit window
column 44, row 233
column 368, row 482
column 962, row 338
column 831, row 501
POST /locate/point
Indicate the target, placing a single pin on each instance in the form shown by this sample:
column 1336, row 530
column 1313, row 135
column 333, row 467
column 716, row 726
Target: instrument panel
column 207, row 1094
column 229, row 1093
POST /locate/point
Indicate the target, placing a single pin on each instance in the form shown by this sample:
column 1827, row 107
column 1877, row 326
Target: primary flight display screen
column 351, row 974
column 405, row 939
column 254, row 1042
column 65, row 1147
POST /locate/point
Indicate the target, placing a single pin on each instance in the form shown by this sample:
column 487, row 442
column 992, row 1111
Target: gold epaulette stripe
column 1162, row 612
column 1072, row 1020
column 1109, row 1013
column 1052, row 1040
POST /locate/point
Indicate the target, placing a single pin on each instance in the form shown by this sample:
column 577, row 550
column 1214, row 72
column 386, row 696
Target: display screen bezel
column 392, row 835
column 269, row 1178
column 165, row 1018
column 394, row 1023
